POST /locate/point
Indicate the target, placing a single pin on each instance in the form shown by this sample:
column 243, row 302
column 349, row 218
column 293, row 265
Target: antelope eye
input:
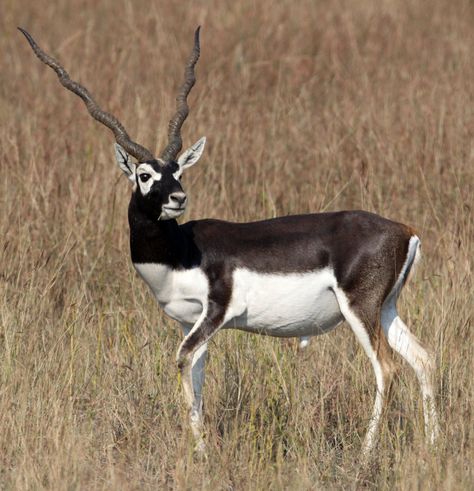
column 144, row 177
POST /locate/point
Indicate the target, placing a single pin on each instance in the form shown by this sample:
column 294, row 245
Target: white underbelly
column 284, row 305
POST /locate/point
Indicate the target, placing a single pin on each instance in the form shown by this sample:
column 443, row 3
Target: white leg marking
column 407, row 345
column 362, row 335
column 198, row 375
column 192, row 375
column 199, row 361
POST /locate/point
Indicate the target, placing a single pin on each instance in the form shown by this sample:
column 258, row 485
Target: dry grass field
column 307, row 106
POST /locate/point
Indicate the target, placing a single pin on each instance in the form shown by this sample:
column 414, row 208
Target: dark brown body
column 368, row 257
column 365, row 251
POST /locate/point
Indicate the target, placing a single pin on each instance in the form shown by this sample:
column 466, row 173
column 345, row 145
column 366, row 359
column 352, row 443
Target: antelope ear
column 190, row 156
column 125, row 162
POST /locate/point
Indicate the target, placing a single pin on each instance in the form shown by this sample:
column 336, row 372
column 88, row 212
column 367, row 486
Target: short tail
column 413, row 257
column 407, row 271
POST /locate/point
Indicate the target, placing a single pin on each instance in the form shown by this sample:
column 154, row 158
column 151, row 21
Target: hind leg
column 365, row 323
column 407, row 345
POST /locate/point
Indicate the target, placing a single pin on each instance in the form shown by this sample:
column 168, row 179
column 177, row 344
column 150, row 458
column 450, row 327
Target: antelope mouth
column 169, row 213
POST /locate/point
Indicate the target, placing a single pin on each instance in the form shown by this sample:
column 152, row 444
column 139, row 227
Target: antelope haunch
column 294, row 276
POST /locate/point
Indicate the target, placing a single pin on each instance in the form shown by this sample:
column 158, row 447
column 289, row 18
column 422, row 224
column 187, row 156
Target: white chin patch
column 170, row 213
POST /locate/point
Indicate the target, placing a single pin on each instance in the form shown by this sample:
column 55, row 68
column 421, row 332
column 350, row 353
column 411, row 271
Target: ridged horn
column 121, row 136
column 175, row 143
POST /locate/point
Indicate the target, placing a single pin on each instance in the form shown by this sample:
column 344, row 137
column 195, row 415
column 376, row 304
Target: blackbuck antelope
column 294, row 276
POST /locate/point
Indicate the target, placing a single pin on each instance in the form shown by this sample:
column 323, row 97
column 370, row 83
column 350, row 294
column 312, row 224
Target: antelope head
column 156, row 180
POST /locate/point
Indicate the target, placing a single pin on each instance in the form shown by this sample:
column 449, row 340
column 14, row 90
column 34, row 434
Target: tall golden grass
column 307, row 106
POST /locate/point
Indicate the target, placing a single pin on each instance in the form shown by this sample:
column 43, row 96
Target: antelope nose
column 178, row 198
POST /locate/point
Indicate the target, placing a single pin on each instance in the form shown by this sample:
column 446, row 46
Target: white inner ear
column 125, row 162
column 190, row 156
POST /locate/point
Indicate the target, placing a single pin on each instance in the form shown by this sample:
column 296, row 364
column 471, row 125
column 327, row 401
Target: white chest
column 181, row 293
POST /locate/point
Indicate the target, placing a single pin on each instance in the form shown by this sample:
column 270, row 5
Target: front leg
column 197, row 376
column 191, row 359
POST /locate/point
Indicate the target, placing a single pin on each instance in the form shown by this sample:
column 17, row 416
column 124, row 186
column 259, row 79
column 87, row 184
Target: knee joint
column 183, row 359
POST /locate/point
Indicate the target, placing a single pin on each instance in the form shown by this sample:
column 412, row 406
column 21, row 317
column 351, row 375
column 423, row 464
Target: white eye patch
column 146, row 177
